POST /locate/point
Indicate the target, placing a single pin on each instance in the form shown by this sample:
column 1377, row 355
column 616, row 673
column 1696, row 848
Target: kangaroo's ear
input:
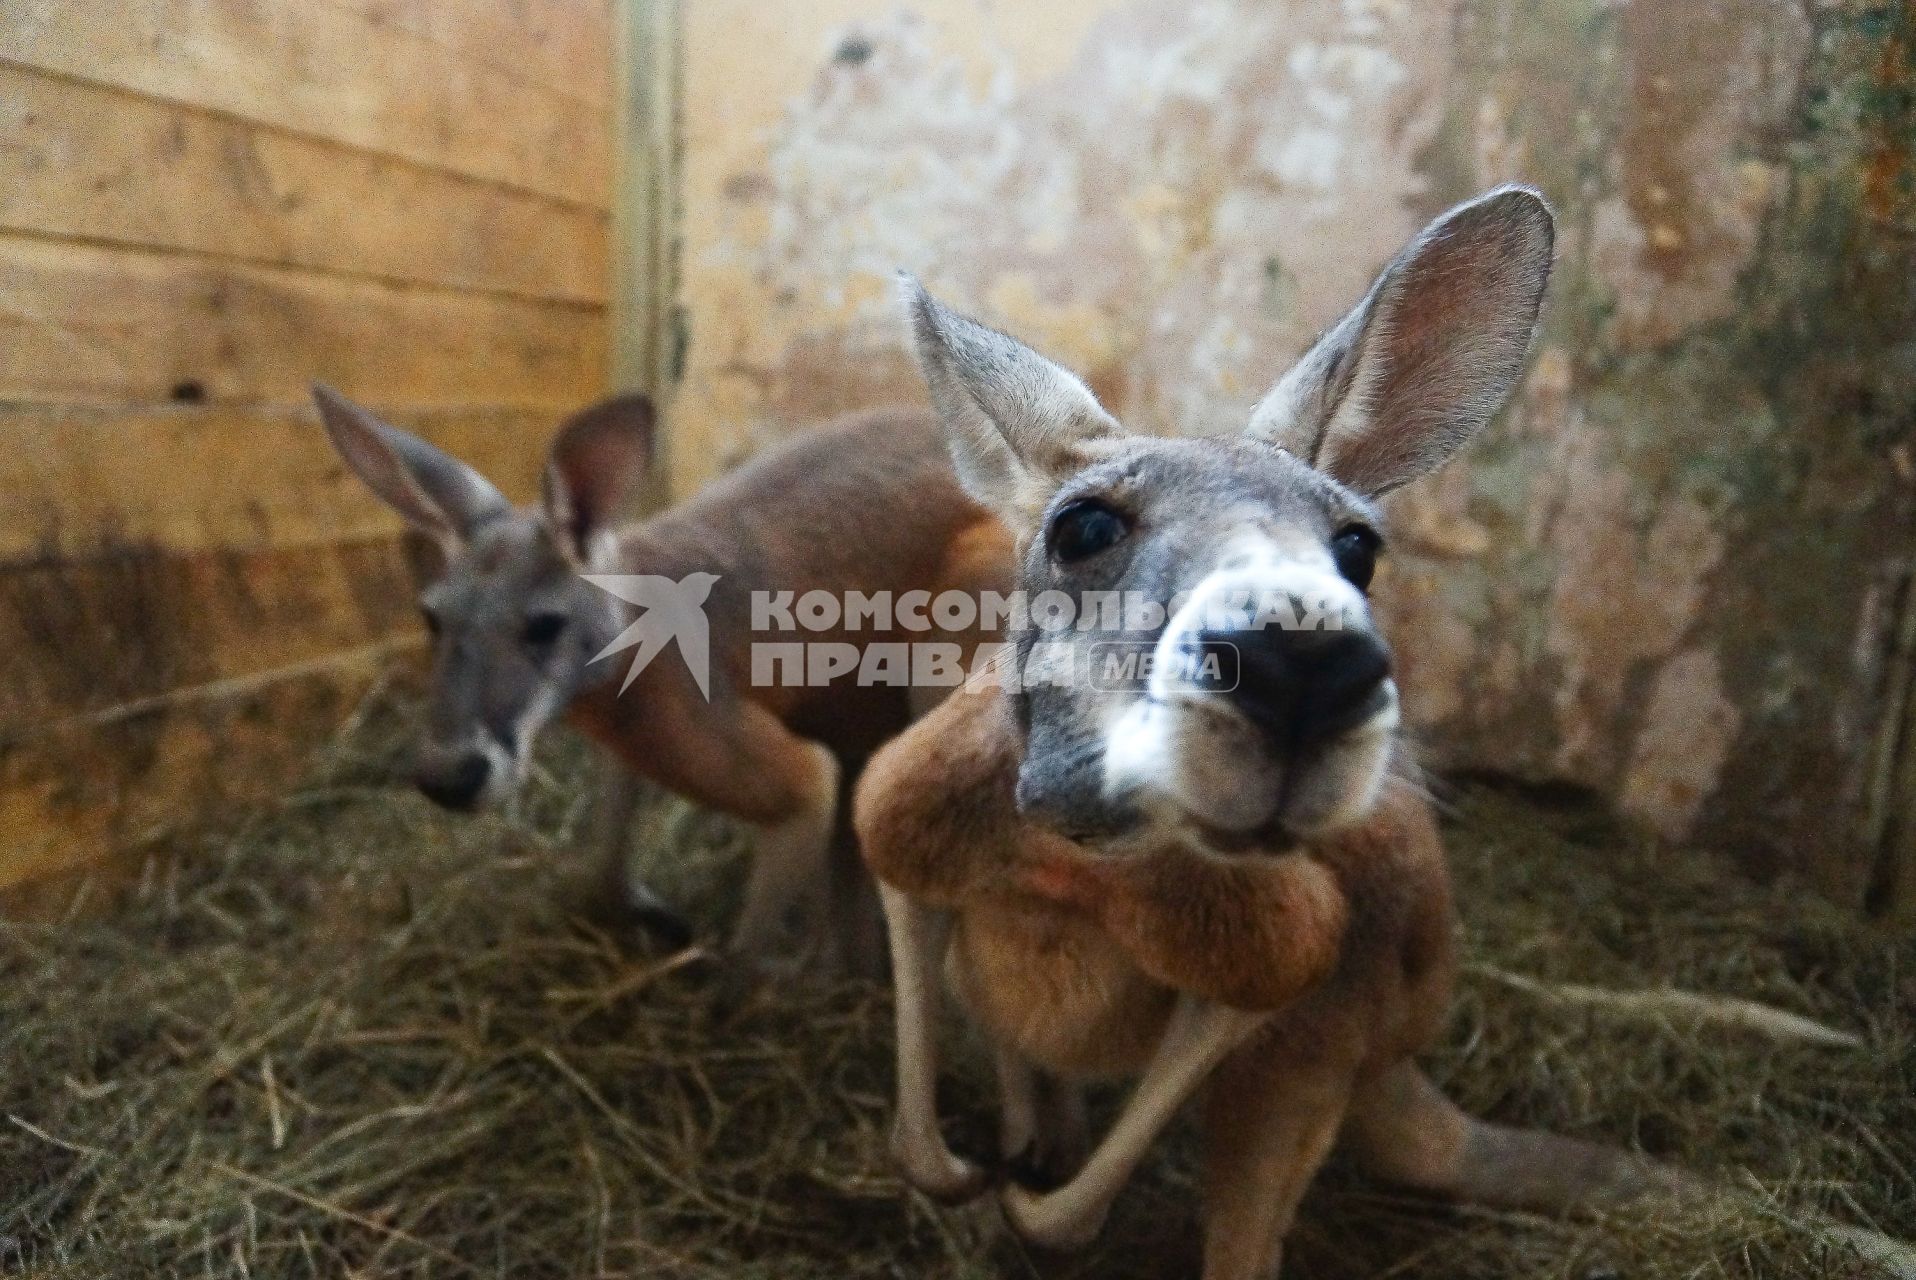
column 598, row 459
column 1427, row 357
column 433, row 490
column 1017, row 424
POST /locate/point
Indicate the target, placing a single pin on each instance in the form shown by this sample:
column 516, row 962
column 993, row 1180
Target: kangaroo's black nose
column 1301, row 687
column 457, row 783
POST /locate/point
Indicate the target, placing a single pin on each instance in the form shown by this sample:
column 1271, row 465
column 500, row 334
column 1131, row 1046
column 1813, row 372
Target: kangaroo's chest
column 1057, row 988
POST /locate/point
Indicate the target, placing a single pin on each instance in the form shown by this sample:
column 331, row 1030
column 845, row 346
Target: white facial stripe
column 506, row 768
column 1182, row 752
column 1260, row 581
column 502, row 772
column 546, row 702
column 1191, row 759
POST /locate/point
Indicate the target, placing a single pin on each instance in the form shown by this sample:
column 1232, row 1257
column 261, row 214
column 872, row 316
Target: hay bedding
column 363, row 1038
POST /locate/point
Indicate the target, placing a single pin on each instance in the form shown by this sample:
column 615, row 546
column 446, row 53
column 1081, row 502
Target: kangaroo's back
column 867, row 502
column 864, row 507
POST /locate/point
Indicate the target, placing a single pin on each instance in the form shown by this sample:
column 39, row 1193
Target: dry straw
column 363, row 1038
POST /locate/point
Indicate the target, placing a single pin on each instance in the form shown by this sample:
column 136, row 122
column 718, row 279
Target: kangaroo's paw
column 1058, row 1141
column 1053, row 1220
column 665, row 925
column 931, row 1166
column 624, row 910
column 1057, row 1148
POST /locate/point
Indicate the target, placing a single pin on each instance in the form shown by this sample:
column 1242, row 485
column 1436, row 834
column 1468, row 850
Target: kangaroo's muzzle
column 1271, row 702
column 1301, row 688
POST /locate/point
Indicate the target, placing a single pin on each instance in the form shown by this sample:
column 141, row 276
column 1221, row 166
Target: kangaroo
column 868, row 503
column 1215, row 876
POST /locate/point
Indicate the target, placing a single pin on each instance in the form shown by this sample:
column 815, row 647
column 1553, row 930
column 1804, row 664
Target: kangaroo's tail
column 1402, row 1129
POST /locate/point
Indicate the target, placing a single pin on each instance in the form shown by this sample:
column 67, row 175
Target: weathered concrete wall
column 1674, row 571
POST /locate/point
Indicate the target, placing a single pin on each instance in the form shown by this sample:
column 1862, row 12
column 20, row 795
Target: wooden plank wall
column 205, row 205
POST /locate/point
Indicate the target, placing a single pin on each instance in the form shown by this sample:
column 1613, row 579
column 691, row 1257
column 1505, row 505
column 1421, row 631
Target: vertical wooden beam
column 645, row 215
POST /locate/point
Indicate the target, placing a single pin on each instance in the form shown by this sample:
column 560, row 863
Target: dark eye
column 431, row 620
column 544, row 628
column 1085, row 528
column 1355, row 550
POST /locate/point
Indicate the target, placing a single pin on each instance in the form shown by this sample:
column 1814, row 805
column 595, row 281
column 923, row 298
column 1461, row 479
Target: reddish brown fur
column 1074, row 957
column 1289, row 977
column 882, row 483
column 1253, row 931
column 521, row 626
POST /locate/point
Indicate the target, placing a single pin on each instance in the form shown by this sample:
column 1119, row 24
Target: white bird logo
column 668, row 611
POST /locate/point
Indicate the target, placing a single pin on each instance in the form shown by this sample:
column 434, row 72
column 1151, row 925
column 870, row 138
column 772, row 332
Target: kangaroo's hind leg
column 787, row 787
column 613, row 895
column 855, row 925
column 1404, row 1130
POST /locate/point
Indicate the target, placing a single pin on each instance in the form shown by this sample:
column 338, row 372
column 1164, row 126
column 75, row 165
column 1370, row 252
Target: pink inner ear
column 1447, row 344
column 594, row 472
column 432, row 490
column 597, row 462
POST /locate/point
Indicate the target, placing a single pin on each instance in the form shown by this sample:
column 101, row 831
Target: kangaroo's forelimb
column 919, row 936
column 1195, row 1040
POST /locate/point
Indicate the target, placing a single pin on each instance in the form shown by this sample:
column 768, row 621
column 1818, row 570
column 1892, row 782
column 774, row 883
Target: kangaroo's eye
column 431, row 620
column 1355, row 548
column 544, row 628
column 1085, row 528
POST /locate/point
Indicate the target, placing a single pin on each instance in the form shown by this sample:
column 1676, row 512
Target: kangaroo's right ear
column 598, row 459
column 1017, row 424
column 1398, row 385
column 434, row 491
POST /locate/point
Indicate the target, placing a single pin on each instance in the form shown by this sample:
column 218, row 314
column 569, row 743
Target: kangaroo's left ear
column 435, row 492
column 1017, row 424
column 597, row 461
column 1421, row 364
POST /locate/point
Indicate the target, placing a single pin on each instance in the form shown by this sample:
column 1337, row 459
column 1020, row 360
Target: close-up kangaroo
column 1226, row 886
column 865, row 504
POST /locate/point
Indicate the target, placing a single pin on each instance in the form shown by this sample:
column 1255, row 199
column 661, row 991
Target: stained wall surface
column 204, row 205
column 1677, row 570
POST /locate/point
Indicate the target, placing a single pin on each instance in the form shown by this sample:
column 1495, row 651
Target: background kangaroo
column 1233, row 888
column 867, row 504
